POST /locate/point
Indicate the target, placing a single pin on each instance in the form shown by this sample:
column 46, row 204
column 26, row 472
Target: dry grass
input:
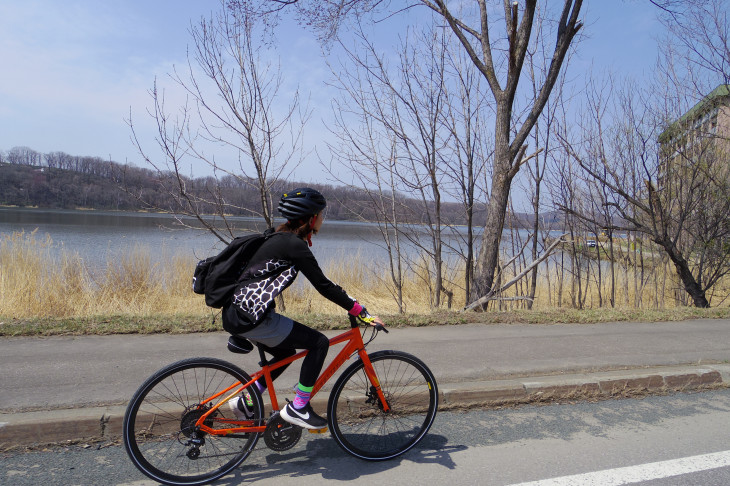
column 655, row 288
column 369, row 285
column 38, row 282
column 47, row 291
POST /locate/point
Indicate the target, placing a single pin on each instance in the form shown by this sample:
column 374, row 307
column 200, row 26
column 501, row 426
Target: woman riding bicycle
column 272, row 269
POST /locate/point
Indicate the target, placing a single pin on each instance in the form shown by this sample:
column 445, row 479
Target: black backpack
column 217, row 277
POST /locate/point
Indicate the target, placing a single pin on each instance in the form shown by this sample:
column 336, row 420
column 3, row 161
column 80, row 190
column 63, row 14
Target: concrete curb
column 94, row 423
column 583, row 385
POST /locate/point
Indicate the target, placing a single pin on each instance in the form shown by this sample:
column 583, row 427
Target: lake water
column 99, row 237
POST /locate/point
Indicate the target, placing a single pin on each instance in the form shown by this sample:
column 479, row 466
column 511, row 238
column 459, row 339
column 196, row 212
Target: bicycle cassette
column 280, row 435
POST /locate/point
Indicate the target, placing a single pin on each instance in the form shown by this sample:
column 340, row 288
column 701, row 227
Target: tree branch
column 489, row 296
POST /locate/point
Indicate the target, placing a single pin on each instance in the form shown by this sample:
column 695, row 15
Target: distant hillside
column 22, row 185
column 58, row 180
column 109, row 186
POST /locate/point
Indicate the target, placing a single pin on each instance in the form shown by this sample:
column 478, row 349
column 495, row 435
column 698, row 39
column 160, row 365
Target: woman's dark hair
column 300, row 228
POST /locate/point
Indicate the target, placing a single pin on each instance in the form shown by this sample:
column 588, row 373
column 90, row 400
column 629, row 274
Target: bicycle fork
column 375, row 388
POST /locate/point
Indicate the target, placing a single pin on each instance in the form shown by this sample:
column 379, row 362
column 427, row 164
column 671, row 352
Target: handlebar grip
column 355, row 322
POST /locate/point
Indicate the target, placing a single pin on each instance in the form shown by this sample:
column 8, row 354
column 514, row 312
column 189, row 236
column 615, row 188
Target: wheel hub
column 191, row 416
column 373, row 398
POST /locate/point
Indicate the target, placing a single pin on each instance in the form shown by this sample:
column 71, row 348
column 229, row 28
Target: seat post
column 263, row 361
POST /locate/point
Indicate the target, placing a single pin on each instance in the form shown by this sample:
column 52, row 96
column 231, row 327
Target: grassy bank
column 181, row 323
column 43, row 294
column 40, row 281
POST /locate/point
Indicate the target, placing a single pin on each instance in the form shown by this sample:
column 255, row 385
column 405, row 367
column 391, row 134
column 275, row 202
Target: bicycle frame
column 354, row 344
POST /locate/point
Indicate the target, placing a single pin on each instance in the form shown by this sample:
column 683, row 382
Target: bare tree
column 233, row 104
column 407, row 104
column 685, row 200
column 467, row 155
column 421, row 102
column 543, row 137
column 663, row 161
column 415, row 130
column 510, row 133
column 565, row 191
column 369, row 152
column 696, row 50
column 499, row 56
column 57, row 160
column 24, row 156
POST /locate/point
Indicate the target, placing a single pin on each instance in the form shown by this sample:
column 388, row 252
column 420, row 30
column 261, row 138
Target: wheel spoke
column 159, row 427
column 357, row 419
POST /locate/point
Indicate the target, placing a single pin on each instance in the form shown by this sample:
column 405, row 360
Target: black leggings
column 300, row 337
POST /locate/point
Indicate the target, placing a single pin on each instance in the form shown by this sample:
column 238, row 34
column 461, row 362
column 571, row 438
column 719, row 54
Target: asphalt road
column 63, row 372
column 679, row 439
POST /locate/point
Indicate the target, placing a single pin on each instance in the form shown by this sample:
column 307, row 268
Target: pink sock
column 302, row 398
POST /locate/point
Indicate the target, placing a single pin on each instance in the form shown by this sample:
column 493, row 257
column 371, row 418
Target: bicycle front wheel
column 159, row 429
column 355, row 413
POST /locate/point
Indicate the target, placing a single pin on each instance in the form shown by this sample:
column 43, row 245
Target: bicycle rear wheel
column 159, row 425
column 356, row 416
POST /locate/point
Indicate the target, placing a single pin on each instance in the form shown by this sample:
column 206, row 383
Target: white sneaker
column 242, row 407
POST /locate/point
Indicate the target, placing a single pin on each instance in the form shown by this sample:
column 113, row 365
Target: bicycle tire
column 158, row 423
column 356, row 419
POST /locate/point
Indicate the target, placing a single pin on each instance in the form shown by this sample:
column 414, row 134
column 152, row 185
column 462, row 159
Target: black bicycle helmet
column 301, row 203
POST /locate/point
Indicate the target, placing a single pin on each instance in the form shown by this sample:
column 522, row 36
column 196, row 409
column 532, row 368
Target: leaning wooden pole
column 490, row 296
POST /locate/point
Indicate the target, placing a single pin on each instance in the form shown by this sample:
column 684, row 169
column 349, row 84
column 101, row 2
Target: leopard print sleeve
column 260, row 285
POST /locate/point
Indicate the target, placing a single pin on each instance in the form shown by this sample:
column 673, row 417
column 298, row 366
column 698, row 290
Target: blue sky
column 73, row 69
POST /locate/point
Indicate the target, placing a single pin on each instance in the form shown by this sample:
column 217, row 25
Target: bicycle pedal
column 318, row 431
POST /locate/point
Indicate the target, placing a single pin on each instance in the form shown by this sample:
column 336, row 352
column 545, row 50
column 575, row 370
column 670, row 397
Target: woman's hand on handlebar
column 377, row 321
column 374, row 321
column 365, row 318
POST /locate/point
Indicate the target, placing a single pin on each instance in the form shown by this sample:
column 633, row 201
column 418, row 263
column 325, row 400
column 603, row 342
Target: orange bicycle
column 178, row 429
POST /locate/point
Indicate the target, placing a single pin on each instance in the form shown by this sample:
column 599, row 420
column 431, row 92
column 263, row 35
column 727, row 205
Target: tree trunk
column 599, row 285
column 509, row 141
column 612, row 260
column 497, row 208
column 536, row 230
column 691, row 285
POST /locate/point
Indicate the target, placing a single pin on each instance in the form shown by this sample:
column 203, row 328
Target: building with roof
column 710, row 118
column 702, row 135
column 693, row 178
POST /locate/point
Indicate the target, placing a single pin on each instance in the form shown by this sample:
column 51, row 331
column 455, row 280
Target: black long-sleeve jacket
column 272, row 269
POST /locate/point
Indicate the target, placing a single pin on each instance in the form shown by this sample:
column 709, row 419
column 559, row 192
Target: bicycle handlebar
column 355, row 321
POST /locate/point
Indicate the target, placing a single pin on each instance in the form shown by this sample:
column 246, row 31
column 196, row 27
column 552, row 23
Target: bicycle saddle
column 237, row 344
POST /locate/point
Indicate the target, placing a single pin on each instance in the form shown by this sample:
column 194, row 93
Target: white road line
column 641, row 472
